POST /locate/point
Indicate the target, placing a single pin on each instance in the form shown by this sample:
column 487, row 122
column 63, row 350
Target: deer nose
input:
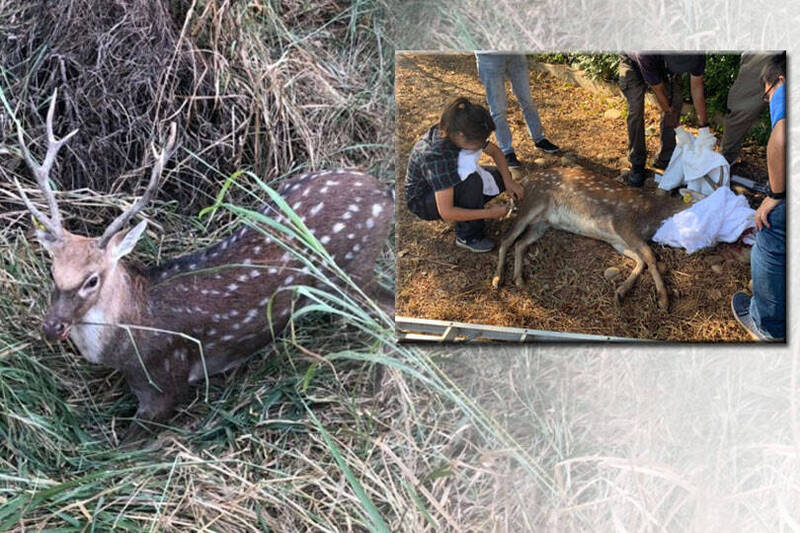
column 54, row 329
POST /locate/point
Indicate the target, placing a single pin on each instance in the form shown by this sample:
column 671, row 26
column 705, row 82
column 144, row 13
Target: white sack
column 721, row 217
column 694, row 158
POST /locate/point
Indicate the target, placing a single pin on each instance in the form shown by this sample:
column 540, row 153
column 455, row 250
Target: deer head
column 85, row 269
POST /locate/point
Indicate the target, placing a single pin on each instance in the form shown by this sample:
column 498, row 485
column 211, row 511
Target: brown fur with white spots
column 219, row 296
column 586, row 203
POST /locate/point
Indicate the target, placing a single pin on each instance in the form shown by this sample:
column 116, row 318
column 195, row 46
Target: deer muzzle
column 55, row 328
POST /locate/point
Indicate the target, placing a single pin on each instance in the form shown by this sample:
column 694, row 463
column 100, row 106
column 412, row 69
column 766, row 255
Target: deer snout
column 55, row 329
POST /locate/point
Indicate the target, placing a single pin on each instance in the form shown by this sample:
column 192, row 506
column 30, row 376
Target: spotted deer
column 586, row 203
column 150, row 323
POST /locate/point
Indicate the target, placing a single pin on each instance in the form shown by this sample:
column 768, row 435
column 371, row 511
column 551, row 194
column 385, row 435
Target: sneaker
column 635, row 177
column 511, row 159
column 740, row 305
column 478, row 245
column 546, row 146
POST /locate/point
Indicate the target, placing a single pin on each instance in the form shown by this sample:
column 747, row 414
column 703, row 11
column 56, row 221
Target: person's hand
column 515, row 190
column 763, row 211
column 499, row 211
column 672, row 118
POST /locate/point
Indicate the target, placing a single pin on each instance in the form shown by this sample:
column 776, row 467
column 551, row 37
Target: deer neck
column 97, row 335
column 656, row 212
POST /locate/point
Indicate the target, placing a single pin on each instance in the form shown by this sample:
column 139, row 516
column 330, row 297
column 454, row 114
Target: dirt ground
column 565, row 287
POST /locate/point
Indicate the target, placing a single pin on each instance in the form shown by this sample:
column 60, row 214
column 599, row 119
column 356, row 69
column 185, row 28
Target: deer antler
column 158, row 167
column 42, row 172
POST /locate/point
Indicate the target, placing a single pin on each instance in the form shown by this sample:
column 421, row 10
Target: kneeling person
column 444, row 180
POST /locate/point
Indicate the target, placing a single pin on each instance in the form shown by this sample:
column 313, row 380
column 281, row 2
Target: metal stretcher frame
column 425, row 330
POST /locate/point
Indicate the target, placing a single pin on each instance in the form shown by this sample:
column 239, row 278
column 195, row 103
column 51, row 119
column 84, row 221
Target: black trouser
column 469, row 195
column 634, row 88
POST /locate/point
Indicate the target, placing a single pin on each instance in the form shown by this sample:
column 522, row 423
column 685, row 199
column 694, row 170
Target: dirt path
column 565, row 290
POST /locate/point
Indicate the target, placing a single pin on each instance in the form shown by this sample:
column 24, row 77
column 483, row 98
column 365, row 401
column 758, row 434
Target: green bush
column 597, row 66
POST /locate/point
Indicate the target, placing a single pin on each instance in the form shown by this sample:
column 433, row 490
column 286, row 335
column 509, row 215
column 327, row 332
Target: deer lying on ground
column 586, row 203
column 150, row 323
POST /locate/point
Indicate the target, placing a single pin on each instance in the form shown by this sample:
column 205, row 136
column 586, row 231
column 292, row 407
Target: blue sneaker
column 478, row 245
column 740, row 305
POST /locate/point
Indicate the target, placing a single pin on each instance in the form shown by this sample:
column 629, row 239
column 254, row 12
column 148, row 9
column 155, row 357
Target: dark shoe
column 740, row 305
column 478, row 245
column 660, row 165
column 636, row 177
column 546, row 146
column 511, row 159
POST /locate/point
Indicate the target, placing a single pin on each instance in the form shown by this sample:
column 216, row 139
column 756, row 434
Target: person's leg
column 633, row 87
column 768, row 266
column 469, row 195
column 491, row 69
column 425, row 207
column 744, row 103
column 519, row 75
column 668, row 134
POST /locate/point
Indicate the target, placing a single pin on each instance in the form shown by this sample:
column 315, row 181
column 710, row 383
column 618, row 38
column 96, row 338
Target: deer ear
column 123, row 243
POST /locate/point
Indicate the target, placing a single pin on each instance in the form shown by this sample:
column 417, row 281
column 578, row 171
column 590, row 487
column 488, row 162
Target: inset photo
column 611, row 197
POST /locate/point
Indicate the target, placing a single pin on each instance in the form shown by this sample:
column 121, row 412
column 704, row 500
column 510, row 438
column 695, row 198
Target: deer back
column 220, row 295
column 587, row 203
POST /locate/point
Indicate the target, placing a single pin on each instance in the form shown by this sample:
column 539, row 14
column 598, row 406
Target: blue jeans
column 492, row 69
column 768, row 266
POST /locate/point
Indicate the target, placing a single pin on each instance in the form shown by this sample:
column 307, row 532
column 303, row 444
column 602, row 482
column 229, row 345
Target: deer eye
column 91, row 282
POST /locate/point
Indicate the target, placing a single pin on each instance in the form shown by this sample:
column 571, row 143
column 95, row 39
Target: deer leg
column 533, row 234
column 626, row 285
column 154, row 406
column 650, row 259
column 519, row 226
column 634, row 242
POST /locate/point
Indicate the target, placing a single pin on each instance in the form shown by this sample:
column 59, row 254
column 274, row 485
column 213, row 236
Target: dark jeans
column 634, row 88
column 469, row 195
column 768, row 267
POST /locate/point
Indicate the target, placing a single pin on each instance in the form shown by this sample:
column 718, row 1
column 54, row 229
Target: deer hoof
column 518, row 282
column 663, row 304
column 496, row 282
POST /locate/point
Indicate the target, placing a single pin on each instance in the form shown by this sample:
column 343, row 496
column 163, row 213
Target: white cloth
column 694, row 158
column 721, row 217
column 468, row 163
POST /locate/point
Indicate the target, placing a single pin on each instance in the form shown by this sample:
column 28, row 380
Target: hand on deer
column 515, row 190
column 499, row 211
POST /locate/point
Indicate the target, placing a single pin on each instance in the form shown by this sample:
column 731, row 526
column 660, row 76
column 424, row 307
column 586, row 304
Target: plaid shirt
column 432, row 166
